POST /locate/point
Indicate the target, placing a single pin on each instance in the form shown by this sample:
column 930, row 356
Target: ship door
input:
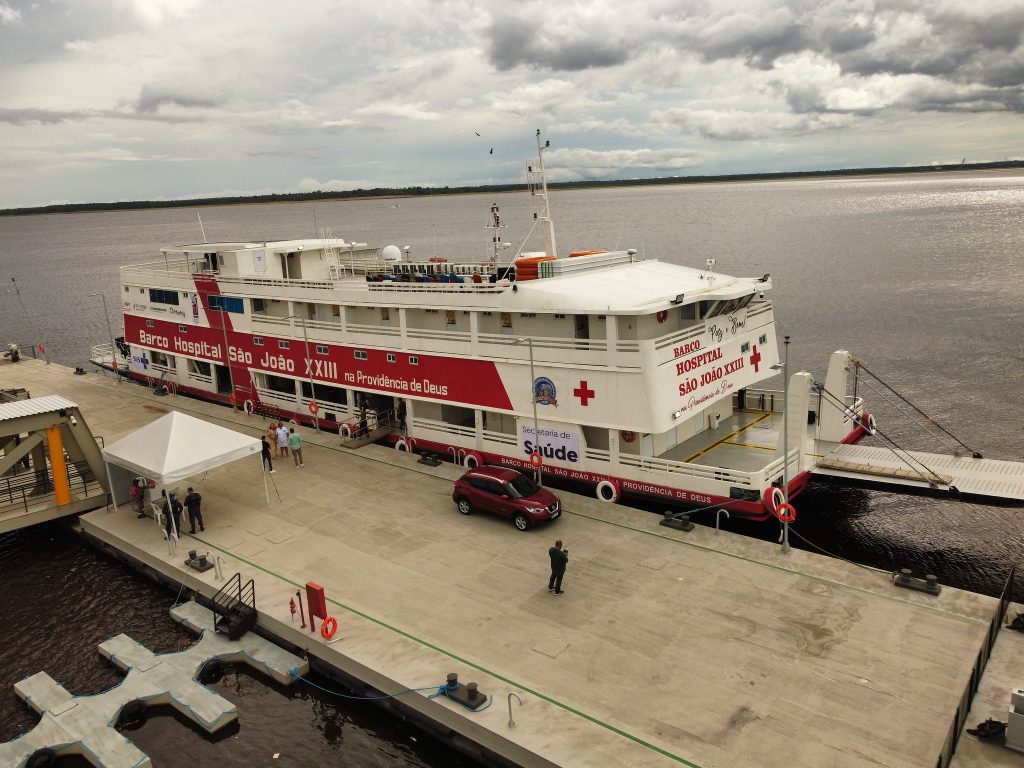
column 223, row 379
column 582, row 326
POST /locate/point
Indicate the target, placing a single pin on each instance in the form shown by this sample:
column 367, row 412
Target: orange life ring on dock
column 536, row 459
column 662, row 316
column 314, row 408
column 786, row 513
column 328, row 627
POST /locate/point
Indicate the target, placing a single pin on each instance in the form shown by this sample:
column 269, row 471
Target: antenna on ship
column 497, row 243
column 539, row 178
column 201, row 227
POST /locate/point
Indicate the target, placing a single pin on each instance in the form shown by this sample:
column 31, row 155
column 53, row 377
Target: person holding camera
column 559, row 559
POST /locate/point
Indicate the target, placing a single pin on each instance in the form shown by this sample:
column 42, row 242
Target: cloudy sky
column 165, row 99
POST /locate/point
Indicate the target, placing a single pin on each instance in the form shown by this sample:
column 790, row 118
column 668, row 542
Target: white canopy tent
column 178, row 446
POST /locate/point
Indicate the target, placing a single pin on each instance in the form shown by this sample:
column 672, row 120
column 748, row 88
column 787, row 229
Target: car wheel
column 521, row 521
column 464, row 506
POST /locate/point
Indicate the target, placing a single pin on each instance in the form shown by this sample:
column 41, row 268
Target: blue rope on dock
column 438, row 690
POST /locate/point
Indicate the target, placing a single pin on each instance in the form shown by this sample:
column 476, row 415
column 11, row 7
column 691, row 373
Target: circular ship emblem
column 544, row 391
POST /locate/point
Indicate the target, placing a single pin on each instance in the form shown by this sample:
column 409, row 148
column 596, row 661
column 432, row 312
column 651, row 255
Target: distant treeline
column 297, row 197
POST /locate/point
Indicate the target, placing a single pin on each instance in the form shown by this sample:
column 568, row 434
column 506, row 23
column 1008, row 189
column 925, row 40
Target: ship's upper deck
column 607, row 282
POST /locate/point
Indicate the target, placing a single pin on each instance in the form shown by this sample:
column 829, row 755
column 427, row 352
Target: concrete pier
column 84, row 725
column 668, row 648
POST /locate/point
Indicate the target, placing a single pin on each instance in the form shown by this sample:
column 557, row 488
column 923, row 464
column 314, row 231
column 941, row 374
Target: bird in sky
column 476, row 133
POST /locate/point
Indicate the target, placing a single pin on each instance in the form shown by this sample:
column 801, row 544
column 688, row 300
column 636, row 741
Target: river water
column 918, row 276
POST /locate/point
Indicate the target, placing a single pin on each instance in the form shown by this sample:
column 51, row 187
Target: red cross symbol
column 755, row 358
column 584, row 393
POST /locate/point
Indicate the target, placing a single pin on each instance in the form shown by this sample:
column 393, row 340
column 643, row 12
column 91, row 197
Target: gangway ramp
column 984, row 478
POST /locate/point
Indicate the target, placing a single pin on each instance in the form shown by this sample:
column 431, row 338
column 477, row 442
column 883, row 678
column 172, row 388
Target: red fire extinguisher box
column 316, row 600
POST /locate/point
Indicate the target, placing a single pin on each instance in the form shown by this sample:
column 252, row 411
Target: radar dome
column 391, row 253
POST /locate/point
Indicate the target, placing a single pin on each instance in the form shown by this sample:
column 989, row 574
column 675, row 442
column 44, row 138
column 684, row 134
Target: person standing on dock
column 282, row 441
column 295, row 443
column 559, row 559
column 172, row 514
column 138, row 500
column 268, row 459
column 192, row 502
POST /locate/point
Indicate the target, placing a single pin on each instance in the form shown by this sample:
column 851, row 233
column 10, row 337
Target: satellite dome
column 391, row 253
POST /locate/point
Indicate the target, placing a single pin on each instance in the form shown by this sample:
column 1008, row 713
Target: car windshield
column 523, row 486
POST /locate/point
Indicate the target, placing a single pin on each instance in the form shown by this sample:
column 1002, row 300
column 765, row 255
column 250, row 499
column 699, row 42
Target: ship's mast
column 545, row 216
column 496, row 226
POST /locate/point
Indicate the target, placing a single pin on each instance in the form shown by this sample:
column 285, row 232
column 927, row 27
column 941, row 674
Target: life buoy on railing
column 328, row 627
column 346, row 430
column 868, row 422
column 627, row 436
column 473, row 460
column 536, row 459
column 314, row 407
column 248, row 407
column 773, row 497
column 662, row 316
column 608, row 490
column 786, row 513
column 405, row 445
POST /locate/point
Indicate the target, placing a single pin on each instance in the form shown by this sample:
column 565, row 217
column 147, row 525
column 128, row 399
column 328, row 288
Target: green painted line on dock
column 456, row 657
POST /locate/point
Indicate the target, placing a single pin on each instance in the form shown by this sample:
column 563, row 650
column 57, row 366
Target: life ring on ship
column 536, row 459
column 868, row 422
column 786, row 513
column 627, row 436
column 346, row 430
column 328, row 627
column 248, row 407
column 314, row 407
column 608, row 490
column 473, row 460
column 773, row 497
column 405, row 445
column 662, row 316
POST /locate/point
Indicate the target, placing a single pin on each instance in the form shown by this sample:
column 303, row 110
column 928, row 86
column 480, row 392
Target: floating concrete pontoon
column 85, row 725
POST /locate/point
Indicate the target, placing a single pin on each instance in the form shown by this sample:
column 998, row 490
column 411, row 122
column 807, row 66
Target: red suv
column 506, row 493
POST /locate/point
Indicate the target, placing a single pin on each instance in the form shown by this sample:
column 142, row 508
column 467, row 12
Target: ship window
column 449, row 317
column 762, row 340
column 391, row 357
column 528, row 314
column 559, row 317
column 488, row 314
column 745, row 300
column 321, row 349
column 430, row 311
column 126, row 289
column 142, row 290
column 688, row 311
column 257, row 341
column 361, row 355
column 182, row 329
column 414, row 360
column 599, row 317
column 149, row 323
column 385, row 314
column 745, row 347
column 282, row 344
column 158, row 296
column 259, row 305
column 227, row 304
column 729, row 307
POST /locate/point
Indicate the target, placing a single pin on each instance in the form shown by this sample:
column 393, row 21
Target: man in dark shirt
column 172, row 514
column 559, row 558
column 192, row 502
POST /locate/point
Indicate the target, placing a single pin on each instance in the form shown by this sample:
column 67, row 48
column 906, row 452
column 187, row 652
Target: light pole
column 528, row 340
column 785, row 440
column 309, row 367
column 110, row 334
